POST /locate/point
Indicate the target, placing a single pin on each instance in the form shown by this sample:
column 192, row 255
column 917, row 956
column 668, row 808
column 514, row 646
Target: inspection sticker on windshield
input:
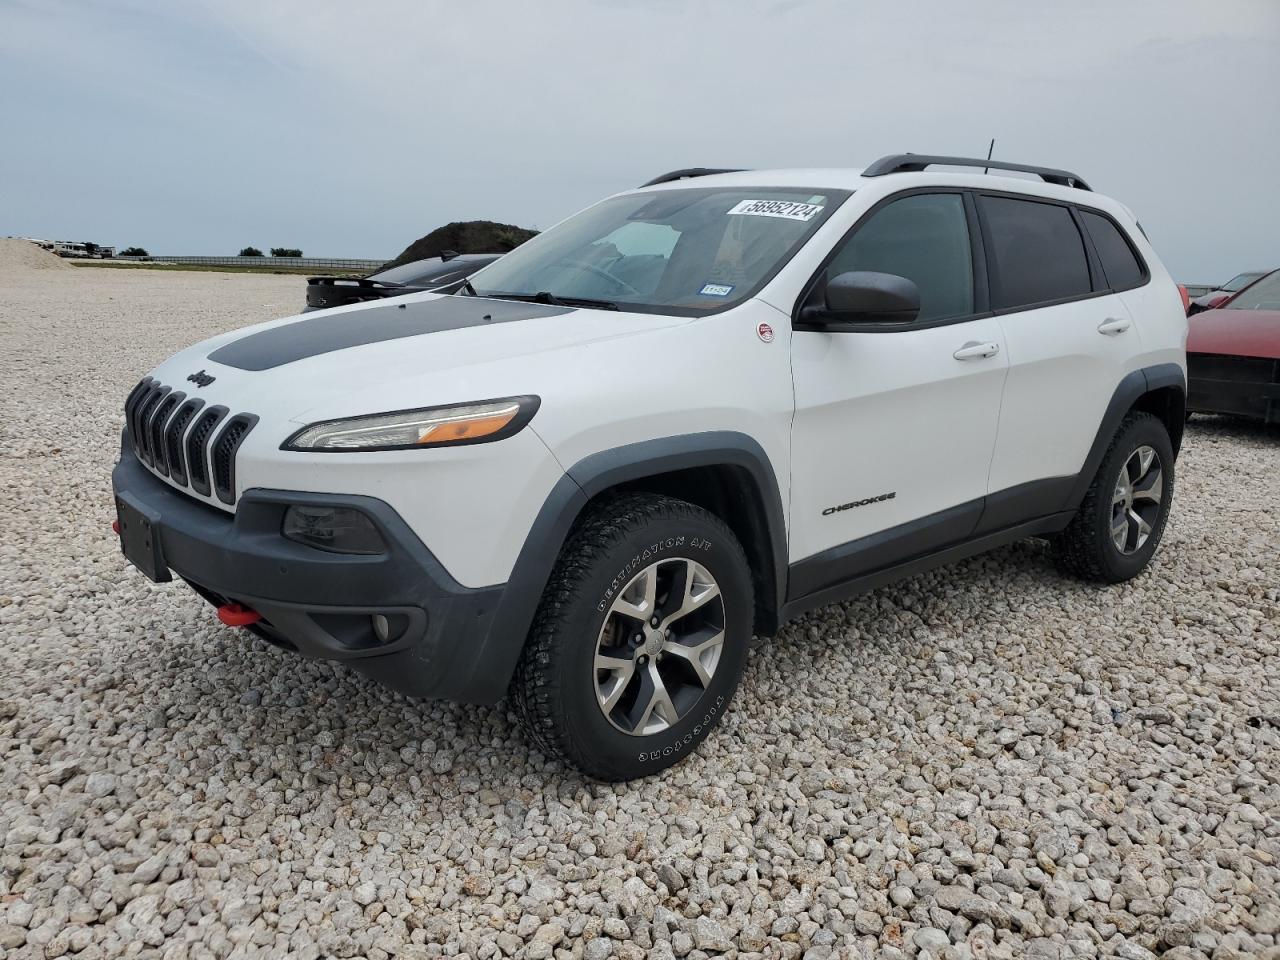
column 716, row 289
column 786, row 209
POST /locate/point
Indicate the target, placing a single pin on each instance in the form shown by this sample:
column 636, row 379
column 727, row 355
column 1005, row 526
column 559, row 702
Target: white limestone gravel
column 985, row 761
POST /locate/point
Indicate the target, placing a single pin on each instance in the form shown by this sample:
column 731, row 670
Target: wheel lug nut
column 668, row 635
column 653, row 622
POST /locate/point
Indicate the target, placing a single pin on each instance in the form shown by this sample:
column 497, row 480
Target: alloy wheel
column 1136, row 502
column 659, row 646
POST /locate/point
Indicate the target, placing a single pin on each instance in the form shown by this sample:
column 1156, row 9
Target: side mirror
column 863, row 296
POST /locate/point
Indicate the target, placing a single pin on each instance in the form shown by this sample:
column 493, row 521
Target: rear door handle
column 973, row 350
column 1113, row 327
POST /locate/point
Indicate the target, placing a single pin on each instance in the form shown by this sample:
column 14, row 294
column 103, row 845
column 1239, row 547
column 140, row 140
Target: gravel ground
column 985, row 761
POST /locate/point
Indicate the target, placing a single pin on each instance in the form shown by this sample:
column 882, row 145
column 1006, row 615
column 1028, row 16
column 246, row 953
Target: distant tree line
column 134, row 252
column 275, row 252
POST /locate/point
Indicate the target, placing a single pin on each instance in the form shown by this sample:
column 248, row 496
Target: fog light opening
column 333, row 529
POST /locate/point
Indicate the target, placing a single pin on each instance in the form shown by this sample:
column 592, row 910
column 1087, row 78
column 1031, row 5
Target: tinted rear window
column 1119, row 262
column 429, row 271
column 1036, row 251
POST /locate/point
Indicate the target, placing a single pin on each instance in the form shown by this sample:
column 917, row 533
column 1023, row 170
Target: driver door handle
column 1113, row 326
column 973, row 350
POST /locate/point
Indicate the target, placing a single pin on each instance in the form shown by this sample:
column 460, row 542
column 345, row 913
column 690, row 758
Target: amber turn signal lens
column 472, row 429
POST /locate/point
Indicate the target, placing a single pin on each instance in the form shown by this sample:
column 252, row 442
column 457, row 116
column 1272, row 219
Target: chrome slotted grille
column 173, row 451
column 155, row 431
column 193, row 445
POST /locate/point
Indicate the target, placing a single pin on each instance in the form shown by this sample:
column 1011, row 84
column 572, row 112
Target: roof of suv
column 853, row 179
column 1044, row 181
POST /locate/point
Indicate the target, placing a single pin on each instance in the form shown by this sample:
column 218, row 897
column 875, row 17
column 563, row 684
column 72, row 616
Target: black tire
column 1086, row 547
column 555, row 684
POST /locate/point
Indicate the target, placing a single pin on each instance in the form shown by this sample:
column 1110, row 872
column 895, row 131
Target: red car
column 1233, row 354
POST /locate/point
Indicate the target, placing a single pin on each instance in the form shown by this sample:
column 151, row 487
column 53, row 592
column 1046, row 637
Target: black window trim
column 977, row 252
column 983, row 268
column 1143, row 269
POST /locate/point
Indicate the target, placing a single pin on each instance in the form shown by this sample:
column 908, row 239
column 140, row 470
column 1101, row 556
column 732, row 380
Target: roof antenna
column 990, row 150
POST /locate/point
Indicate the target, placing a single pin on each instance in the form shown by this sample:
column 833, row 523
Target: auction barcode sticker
column 786, row 209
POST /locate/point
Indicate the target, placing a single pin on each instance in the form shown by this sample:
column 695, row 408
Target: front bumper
column 442, row 641
column 1242, row 386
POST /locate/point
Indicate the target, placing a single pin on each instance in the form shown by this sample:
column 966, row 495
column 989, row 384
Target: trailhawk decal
column 859, row 503
column 786, row 209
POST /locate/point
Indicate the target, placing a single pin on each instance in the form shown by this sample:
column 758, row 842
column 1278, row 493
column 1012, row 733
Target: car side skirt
column 861, row 583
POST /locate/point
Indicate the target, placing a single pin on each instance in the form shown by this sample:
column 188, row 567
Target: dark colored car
column 444, row 274
column 1233, row 355
column 1218, row 296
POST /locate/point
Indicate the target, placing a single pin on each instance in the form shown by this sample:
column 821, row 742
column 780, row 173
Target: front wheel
column 640, row 639
column 1119, row 524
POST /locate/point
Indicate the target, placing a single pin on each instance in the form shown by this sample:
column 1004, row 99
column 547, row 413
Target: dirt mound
column 18, row 255
column 470, row 236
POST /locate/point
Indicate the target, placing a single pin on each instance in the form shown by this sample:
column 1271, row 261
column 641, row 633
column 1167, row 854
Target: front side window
column 923, row 237
column 1119, row 262
column 687, row 251
column 1263, row 295
column 1037, row 253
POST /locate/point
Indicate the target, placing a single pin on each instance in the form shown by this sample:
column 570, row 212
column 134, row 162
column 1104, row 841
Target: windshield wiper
column 466, row 285
column 546, row 296
column 549, row 298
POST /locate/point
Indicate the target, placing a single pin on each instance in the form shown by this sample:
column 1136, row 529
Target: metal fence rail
column 307, row 263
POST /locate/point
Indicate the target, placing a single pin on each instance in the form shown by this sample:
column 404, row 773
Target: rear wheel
column 640, row 639
column 1119, row 524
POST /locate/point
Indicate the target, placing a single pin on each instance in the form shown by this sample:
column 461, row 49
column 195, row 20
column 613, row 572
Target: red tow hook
column 115, row 527
column 235, row 615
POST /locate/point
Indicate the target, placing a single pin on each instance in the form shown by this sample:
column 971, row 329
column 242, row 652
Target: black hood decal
column 327, row 332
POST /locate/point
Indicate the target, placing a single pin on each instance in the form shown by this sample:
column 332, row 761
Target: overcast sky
column 350, row 130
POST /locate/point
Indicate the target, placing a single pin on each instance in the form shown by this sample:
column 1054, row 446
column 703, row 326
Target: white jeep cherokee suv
column 684, row 415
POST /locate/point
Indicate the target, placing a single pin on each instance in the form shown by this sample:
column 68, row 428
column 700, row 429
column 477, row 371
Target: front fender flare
column 494, row 659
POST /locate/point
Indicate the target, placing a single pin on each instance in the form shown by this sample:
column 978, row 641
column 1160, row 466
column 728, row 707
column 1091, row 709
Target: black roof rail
column 915, row 162
column 689, row 172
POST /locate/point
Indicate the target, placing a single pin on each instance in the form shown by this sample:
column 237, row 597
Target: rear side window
column 1037, row 253
column 1121, row 265
column 924, row 238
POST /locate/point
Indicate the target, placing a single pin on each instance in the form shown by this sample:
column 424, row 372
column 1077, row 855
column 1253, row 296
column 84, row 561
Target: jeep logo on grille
column 201, row 379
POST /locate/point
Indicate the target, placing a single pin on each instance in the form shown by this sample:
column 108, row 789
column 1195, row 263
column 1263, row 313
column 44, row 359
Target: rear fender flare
column 1130, row 390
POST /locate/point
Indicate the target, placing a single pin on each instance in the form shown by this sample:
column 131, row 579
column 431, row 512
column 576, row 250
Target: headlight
column 407, row 429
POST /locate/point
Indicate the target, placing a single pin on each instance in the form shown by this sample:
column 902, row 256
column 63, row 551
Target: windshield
column 687, row 251
column 1240, row 281
column 1263, row 295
